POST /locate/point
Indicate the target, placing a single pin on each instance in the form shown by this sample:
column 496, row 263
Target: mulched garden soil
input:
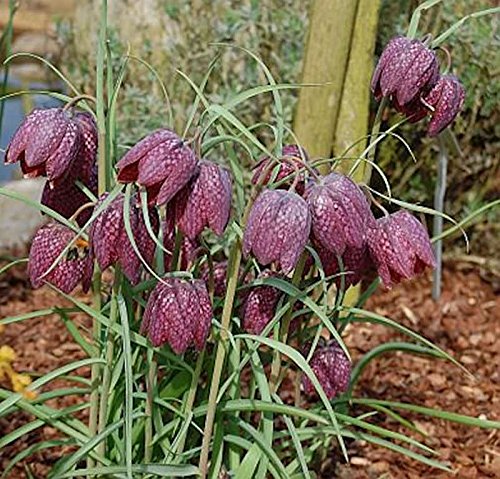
column 465, row 322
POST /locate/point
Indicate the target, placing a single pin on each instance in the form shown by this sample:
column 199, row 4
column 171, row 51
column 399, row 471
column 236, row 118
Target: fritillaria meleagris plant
column 201, row 280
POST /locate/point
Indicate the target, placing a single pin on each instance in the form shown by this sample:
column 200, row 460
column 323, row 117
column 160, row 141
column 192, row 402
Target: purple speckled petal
column 421, row 76
column 17, row 146
column 260, row 306
column 400, row 247
column 128, row 165
column 106, row 230
column 202, row 313
column 46, row 133
column 207, row 202
column 332, row 368
column 59, row 162
column 447, row 98
column 339, row 213
column 278, row 228
column 87, row 158
column 47, row 245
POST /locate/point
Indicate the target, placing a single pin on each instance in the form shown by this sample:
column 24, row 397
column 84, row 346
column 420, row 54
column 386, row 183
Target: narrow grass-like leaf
column 161, row 470
column 370, row 317
column 129, row 401
column 386, row 348
column 22, row 317
column 15, row 397
column 38, row 446
column 48, row 64
column 12, row 263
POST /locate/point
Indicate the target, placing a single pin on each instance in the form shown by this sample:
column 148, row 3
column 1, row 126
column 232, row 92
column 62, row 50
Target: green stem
column 148, row 430
column 195, row 379
column 233, row 269
column 95, row 369
column 102, row 175
column 110, row 348
column 274, row 381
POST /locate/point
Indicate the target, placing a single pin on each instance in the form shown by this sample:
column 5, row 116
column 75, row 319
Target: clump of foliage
column 226, row 281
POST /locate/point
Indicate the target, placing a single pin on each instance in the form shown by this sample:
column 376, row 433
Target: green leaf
column 369, row 317
column 162, row 470
column 22, row 317
column 15, row 397
column 129, row 401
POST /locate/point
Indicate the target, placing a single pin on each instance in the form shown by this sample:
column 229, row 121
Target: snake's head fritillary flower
column 205, row 201
column 260, row 305
column 75, row 267
column 332, row 368
column 161, row 162
column 179, row 313
column 278, row 228
column 339, row 211
column 406, row 70
column 400, row 247
column 111, row 243
column 291, row 160
column 446, row 99
column 46, row 144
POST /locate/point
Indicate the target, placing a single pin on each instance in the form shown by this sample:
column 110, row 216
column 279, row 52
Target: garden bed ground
column 465, row 321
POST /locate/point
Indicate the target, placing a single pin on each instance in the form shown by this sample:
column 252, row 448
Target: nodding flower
column 400, row 247
column 278, row 228
column 75, row 267
column 178, row 313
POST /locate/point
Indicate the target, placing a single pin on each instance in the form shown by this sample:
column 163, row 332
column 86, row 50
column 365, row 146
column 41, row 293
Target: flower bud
column 277, row 229
column 75, row 267
column 161, row 162
column 332, row 368
column 179, row 313
column 339, row 211
column 400, row 247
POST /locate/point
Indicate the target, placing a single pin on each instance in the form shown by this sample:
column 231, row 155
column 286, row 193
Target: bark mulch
column 465, row 322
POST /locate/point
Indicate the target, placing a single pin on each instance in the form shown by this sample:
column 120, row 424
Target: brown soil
column 464, row 322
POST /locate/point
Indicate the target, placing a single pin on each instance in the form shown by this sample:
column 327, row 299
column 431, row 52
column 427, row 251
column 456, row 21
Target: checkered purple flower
column 179, row 313
column 406, row 70
column 75, row 267
column 446, row 100
column 260, row 305
column 332, row 368
column 278, row 228
column 340, row 212
column 161, row 162
column 400, row 247
column 46, row 144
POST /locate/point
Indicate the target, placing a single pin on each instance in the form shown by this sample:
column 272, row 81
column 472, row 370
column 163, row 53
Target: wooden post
column 325, row 61
column 353, row 117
